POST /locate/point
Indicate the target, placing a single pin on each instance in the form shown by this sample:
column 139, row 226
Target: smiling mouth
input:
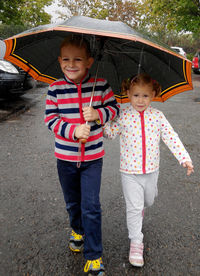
column 71, row 70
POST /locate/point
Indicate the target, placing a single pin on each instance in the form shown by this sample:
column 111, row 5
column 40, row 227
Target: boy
column 79, row 165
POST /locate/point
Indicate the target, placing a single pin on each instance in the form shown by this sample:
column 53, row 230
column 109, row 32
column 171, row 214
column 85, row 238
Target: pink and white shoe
column 136, row 254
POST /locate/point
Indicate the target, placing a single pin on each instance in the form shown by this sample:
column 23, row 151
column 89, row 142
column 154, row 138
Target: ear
column 90, row 62
column 128, row 94
column 154, row 94
column 59, row 59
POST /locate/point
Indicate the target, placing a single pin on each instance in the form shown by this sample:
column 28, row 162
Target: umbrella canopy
column 122, row 52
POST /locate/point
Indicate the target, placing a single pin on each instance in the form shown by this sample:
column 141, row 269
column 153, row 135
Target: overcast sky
column 52, row 10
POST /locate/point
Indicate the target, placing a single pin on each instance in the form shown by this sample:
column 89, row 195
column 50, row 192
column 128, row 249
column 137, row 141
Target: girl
column 140, row 127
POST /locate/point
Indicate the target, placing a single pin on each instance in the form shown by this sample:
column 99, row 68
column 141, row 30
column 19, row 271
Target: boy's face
column 74, row 62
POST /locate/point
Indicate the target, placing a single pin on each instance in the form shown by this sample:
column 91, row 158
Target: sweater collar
column 84, row 79
column 134, row 111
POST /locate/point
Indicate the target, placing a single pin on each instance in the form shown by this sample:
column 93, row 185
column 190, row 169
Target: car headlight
column 8, row 67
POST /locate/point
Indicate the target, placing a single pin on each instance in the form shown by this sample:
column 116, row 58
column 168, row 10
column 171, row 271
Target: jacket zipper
column 143, row 143
column 81, row 145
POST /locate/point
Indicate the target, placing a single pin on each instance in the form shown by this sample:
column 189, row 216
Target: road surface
column 34, row 224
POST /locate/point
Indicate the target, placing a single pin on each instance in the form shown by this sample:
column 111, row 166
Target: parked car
column 179, row 50
column 13, row 80
column 196, row 62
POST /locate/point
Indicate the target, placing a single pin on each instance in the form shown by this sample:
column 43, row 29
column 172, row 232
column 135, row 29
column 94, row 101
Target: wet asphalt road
column 34, row 225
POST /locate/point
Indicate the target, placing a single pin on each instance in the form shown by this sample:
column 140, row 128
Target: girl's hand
column 90, row 114
column 189, row 166
column 82, row 131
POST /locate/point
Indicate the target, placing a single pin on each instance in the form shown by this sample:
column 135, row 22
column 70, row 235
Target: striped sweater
column 64, row 103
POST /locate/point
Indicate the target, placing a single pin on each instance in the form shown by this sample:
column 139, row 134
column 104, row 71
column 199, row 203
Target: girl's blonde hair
column 141, row 79
column 125, row 86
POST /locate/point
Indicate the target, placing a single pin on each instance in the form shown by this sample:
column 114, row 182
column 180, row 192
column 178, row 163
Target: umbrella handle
column 83, row 140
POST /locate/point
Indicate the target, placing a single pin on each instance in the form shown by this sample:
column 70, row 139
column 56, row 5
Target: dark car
column 13, row 80
column 196, row 62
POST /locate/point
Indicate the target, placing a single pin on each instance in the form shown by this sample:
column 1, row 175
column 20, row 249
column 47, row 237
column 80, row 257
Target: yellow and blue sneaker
column 94, row 267
column 76, row 242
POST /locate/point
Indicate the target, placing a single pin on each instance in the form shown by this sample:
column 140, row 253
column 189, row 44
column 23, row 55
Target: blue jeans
column 81, row 188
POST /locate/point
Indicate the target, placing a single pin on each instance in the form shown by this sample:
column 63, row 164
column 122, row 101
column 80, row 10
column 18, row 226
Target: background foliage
column 19, row 15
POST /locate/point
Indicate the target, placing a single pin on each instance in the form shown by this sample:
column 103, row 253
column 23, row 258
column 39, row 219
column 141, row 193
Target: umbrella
column 122, row 51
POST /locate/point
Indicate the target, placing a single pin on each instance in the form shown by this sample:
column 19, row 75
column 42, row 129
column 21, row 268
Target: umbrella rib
column 139, row 65
column 50, row 64
column 126, row 53
column 119, row 84
column 166, row 62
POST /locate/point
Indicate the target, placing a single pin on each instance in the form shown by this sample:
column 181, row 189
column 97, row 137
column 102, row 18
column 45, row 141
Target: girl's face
column 140, row 96
column 74, row 62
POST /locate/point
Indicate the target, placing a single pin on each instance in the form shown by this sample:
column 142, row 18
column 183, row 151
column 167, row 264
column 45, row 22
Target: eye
column 78, row 59
column 146, row 96
column 65, row 59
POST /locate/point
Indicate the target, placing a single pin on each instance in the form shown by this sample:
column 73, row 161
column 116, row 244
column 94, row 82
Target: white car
column 179, row 50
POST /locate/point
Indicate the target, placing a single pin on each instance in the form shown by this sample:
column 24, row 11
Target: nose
column 140, row 99
column 71, row 63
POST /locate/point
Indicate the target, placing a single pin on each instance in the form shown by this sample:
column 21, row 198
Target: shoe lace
column 76, row 236
column 96, row 264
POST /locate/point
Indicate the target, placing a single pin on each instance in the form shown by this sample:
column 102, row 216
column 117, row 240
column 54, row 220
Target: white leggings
column 139, row 191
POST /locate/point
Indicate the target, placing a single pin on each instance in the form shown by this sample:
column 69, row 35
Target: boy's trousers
column 81, row 188
column 139, row 191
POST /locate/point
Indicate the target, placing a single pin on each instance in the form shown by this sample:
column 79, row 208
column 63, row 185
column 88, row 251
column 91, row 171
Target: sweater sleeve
column 53, row 120
column 171, row 139
column 109, row 109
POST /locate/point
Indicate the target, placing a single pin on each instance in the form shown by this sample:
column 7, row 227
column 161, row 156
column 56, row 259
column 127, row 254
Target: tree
column 29, row 13
column 179, row 15
column 125, row 11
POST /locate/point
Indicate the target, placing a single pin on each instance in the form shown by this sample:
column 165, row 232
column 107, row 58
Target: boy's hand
column 82, row 131
column 189, row 166
column 90, row 114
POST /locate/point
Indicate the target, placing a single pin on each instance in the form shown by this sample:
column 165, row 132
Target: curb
column 15, row 110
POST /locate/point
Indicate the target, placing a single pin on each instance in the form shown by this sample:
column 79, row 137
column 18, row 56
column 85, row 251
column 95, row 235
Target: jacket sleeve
column 171, row 139
column 112, row 129
column 53, row 120
column 109, row 109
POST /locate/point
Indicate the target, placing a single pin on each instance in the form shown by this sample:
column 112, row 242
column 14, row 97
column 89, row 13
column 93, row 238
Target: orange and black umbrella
column 122, row 51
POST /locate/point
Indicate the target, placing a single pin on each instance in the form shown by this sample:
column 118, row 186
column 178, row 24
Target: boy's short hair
column 78, row 41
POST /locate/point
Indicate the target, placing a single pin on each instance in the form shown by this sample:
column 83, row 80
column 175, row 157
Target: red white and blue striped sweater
column 64, row 103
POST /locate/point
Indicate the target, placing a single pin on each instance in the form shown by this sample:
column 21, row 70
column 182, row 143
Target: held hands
column 90, row 114
column 189, row 166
